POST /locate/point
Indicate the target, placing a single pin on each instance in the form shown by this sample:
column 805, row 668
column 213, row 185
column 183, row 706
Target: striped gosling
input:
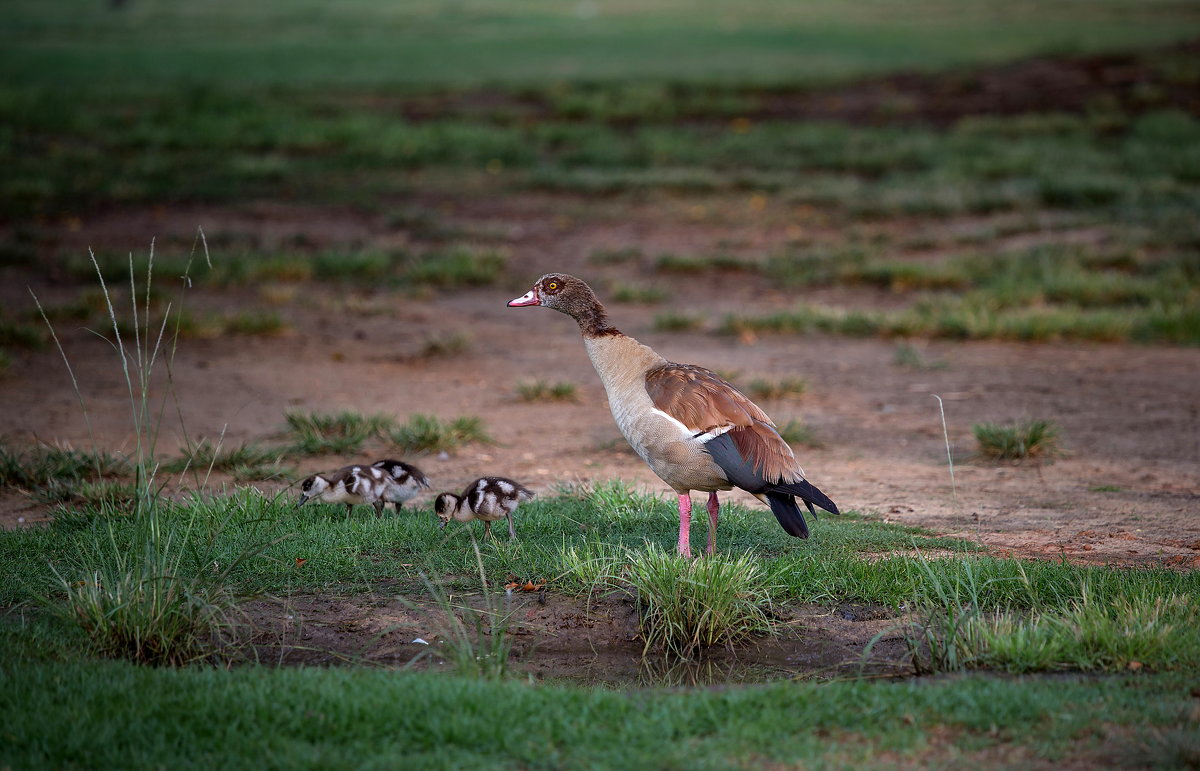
column 408, row 480
column 488, row 499
column 351, row 485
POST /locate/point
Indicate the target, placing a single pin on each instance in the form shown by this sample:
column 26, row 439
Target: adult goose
column 694, row 430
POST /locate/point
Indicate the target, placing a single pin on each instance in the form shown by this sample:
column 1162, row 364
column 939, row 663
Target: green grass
column 245, row 461
column 156, row 598
column 38, row 465
column 445, row 344
column 690, row 264
column 227, row 146
column 1040, row 293
column 796, row 431
column 16, row 334
column 430, row 434
column 616, row 256
column 674, row 321
column 58, row 473
column 828, row 568
column 119, row 715
column 459, row 266
column 262, row 323
column 543, row 391
column 688, row 605
column 647, row 294
column 958, row 629
column 1017, row 441
column 761, row 388
column 978, row 319
column 684, row 606
column 322, row 433
column 379, row 44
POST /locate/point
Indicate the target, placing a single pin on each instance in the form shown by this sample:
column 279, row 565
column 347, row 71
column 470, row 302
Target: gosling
column 351, row 485
column 488, row 499
column 408, row 480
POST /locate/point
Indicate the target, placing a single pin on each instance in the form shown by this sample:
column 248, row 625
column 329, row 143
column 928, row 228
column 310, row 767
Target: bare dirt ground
column 1128, row 491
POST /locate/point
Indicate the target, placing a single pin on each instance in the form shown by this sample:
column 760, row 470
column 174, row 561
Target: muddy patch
column 592, row 640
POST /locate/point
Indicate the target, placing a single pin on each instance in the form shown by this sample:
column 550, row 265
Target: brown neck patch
column 594, row 322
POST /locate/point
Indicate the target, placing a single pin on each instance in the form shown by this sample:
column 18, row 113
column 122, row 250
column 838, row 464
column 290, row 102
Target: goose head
column 570, row 295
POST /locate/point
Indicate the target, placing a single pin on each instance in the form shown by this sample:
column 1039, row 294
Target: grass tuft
column 647, row 294
column 459, row 266
column 796, row 431
column 673, row 321
column 475, row 640
column 1017, row 441
column 155, row 596
column 688, row 264
column 542, row 391
column 41, row 466
column 617, row 256
column 264, row 324
column 429, row 433
column 687, row 605
column 246, row 461
column 445, row 345
column 760, row 388
column 319, row 433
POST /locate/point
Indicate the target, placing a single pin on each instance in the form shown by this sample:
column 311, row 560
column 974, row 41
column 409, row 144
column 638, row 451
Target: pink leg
column 685, row 523
column 714, row 508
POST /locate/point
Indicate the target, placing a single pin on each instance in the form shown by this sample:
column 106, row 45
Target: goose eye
column 552, row 285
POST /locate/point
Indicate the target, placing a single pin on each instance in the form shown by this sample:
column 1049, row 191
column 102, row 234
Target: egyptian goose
column 408, row 480
column 694, row 430
column 351, row 485
column 488, row 499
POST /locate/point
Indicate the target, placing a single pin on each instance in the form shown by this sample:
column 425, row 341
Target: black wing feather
column 739, row 471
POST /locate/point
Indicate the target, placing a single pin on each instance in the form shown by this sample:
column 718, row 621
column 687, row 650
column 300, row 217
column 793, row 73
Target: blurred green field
column 373, row 42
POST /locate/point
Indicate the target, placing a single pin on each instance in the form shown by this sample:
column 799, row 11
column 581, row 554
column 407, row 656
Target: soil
column 593, row 641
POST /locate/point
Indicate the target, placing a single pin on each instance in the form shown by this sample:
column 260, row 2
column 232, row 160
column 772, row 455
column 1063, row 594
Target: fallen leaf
column 301, row 560
column 1134, row 666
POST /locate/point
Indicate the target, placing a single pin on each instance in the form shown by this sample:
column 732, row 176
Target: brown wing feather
column 700, row 399
column 766, row 451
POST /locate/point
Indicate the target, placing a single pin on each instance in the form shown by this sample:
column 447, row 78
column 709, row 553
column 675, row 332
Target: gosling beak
column 442, row 526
